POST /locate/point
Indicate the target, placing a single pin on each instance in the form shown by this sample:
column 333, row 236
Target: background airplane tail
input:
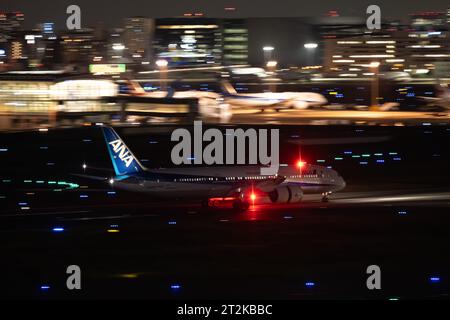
column 123, row 160
column 227, row 88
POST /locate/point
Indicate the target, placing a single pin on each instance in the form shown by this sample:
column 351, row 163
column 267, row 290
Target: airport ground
column 393, row 213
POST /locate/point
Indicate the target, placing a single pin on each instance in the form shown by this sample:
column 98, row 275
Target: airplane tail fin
column 124, row 162
column 136, row 88
column 227, row 88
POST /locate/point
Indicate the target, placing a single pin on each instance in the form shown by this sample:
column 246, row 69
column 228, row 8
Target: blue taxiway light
column 363, row 162
column 45, row 287
column 87, row 140
column 84, row 196
column 58, row 229
column 172, row 222
column 3, row 149
column 348, row 152
column 113, row 225
column 111, row 192
column 175, row 287
column 309, row 284
column 402, row 213
column 23, row 203
column 380, row 161
column 435, row 279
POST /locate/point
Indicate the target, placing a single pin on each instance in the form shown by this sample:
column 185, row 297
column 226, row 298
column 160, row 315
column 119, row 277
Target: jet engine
column 286, row 194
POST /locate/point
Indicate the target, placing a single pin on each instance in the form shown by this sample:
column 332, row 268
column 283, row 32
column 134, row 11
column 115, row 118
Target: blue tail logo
column 120, row 149
column 124, row 162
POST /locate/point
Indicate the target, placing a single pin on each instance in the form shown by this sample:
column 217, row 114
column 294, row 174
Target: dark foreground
column 393, row 214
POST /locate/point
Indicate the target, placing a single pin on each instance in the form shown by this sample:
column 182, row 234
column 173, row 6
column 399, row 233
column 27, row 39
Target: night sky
column 110, row 12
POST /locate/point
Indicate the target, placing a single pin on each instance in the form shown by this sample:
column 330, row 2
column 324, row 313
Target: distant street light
column 268, row 50
column 311, row 45
column 271, row 67
column 374, row 65
column 162, row 66
column 310, row 51
column 271, row 64
column 161, row 63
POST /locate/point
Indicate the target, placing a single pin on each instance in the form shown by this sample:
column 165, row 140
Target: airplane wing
column 269, row 184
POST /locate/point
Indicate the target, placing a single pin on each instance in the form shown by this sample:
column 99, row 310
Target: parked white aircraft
column 272, row 100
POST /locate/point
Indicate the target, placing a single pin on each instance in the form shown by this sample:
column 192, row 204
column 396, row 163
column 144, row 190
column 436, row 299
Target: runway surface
column 323, row 117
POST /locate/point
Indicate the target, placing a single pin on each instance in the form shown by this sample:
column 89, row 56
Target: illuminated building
column 287, row 37
column 11, row 22
column 416, row 48
column 42, row 92
column 116, row 52
column 235, row 42
column 430, row 21
column 81, row 47
column 137, row 37
column 194, row 41
column 188, row 41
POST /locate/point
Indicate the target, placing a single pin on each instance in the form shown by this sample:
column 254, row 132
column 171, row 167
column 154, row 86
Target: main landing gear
column 325, row 197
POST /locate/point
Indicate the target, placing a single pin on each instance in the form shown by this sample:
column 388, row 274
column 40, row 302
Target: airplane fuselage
column 205, row 182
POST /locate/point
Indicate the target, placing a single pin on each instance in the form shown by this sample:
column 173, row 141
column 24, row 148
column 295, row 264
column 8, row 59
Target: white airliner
column 272, row 100
column 239, row 184
column 210, row 104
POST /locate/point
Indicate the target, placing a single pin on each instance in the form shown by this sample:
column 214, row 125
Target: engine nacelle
column 286, row 194
column 301, row 105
